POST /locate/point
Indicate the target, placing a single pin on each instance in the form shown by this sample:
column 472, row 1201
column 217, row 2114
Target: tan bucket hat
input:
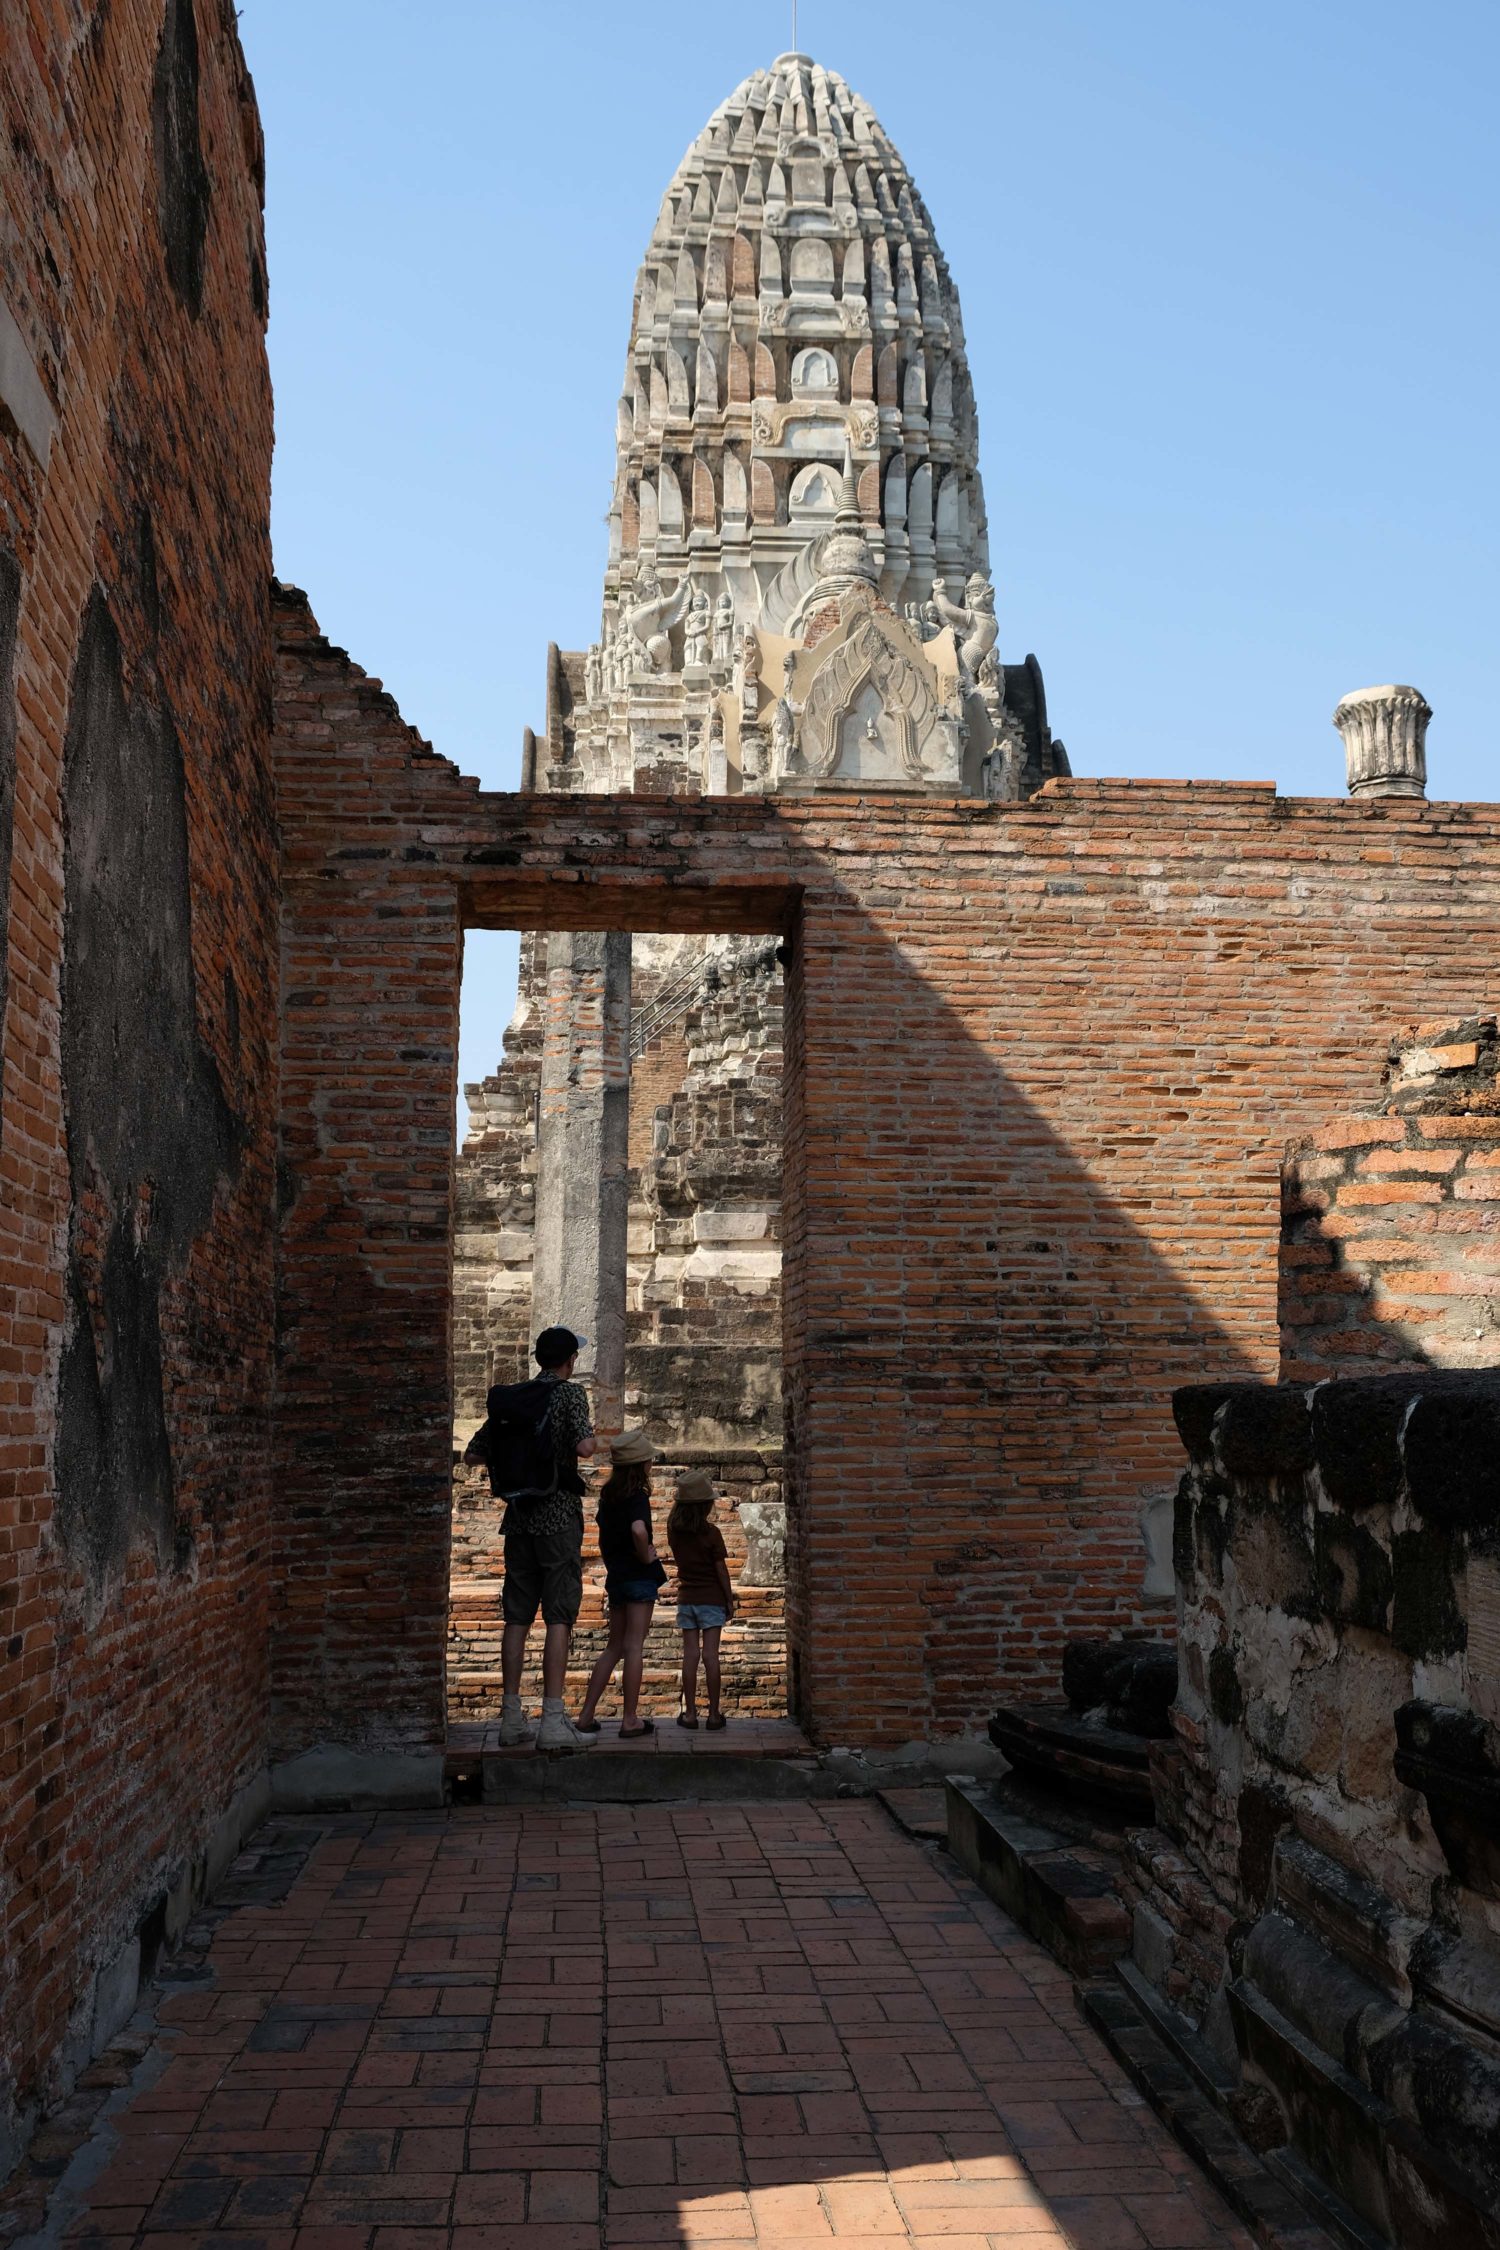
column 632, row 1446
column 696, row 1485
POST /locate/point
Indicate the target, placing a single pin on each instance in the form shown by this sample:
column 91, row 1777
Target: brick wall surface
column 753, row 1652
column 1391, row 1219
column 655, row 1077
column 136, row 1137
column 1109, row 1009
column 369, row 1063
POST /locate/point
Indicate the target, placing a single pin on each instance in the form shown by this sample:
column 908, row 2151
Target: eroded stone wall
column 138, row 864
column 1320, row 1899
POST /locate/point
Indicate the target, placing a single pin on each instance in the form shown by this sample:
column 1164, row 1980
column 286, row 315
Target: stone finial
column 1385, row 741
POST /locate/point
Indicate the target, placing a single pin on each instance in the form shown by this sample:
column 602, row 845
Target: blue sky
column 1228, row 279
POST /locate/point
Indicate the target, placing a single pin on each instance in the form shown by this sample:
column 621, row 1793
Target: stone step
column 752, row 1759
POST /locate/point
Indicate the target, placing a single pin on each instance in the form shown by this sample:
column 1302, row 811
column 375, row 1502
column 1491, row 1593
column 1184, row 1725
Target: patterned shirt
column 570, row 1425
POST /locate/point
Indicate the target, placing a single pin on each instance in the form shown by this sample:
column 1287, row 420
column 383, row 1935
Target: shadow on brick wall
column 1390, row 1256
column 1009, row 1239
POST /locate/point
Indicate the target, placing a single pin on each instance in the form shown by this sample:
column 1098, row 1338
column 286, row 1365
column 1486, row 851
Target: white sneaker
column 515, row 1728
column 557, row 1732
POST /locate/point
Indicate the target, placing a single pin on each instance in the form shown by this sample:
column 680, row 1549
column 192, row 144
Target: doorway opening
column 691, row 1197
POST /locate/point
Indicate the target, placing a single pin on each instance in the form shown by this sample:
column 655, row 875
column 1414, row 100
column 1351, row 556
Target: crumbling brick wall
column 1390, row 1252
column 138, row 863
column 364, row 1371
column 1000, row 1259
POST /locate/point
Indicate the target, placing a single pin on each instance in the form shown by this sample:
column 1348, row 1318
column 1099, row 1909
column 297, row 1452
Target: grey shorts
column 700, row 1617
column 543, row 1570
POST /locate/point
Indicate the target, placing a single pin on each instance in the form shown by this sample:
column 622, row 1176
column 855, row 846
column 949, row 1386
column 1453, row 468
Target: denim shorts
column 618, row 1591
column 700, row 1617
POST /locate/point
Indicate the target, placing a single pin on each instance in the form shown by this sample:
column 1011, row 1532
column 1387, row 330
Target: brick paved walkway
column 556, row 2030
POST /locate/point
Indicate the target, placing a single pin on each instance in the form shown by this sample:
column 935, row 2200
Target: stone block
column 334, row 1779
column 1153, row 1944
column 734, row 1225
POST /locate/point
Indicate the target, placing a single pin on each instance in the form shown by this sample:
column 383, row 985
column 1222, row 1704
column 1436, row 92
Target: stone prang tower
column 797, row 594
column 797, row 598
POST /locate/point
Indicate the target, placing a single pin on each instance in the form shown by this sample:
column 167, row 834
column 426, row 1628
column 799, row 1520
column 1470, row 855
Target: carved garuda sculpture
column 651, row 618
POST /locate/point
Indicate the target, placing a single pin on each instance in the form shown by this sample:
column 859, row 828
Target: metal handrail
column 668, row 1005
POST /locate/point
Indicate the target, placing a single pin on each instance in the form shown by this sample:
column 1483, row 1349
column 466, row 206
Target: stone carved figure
column 699, row 631
column 723, row 638
column 992, row 696
column 974, row 624
column 784, row 722
column 654, row 614
column 713, row 761
column 752, row 658
column 1000, row 768
column 947, row 745
column 593, row 673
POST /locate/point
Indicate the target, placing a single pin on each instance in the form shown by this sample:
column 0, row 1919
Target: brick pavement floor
column 571, row 2029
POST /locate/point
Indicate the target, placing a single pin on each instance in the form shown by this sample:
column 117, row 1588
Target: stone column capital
column 1385, row 741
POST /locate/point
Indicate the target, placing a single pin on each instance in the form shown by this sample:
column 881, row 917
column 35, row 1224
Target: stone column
column 1385, row 741
column 583, row 1127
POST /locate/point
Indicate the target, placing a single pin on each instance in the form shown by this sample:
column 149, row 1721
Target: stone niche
column 1317, row 1912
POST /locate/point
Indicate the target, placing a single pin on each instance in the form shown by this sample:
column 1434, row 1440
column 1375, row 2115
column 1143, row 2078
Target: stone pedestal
column 583, row 1134
column 1385, row 741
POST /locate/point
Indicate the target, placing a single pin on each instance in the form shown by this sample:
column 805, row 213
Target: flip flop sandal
column 716, row 1726
column 684, row 1721
column 633, row 1734
column 585, row 1726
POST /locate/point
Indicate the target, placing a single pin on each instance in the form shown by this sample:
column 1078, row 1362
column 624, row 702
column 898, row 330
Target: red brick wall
column 753, row 1651
column 655, row 1077
column 1390, row 1253
column 1042, row 1063
column 369, row 1062
column 139, row 1026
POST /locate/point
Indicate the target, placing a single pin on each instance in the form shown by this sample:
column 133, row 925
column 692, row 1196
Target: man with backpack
column 534, row 1436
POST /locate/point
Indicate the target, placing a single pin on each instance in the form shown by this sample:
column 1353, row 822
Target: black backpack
column 516, row 1445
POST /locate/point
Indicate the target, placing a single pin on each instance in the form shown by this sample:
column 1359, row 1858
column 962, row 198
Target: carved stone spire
column 793, row 305
column 796, row 442
column 845, row 558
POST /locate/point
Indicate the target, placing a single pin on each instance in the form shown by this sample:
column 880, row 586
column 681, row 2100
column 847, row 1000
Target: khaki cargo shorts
column 543, row 1570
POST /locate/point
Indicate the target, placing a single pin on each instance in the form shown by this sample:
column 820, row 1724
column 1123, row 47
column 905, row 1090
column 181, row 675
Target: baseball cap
column 554, row 1345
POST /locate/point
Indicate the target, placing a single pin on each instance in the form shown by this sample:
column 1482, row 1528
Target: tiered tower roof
column 793, row 310
column 797, row 594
